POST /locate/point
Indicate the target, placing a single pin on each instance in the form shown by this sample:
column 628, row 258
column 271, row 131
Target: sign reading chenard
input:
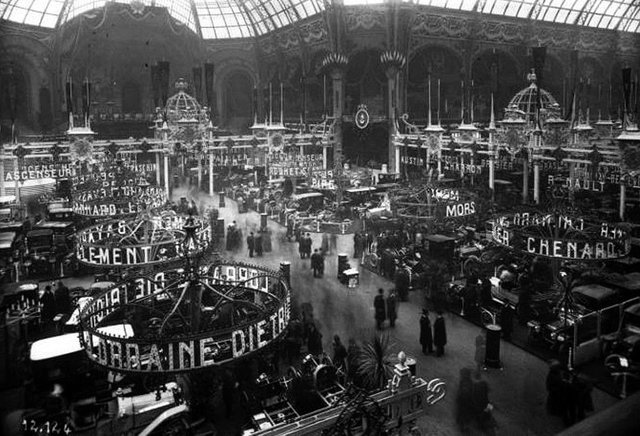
column 571, row 238
column 193, row 351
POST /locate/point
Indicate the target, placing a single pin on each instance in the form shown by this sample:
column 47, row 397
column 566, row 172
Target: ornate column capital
column 336, row 64
column 392, row 61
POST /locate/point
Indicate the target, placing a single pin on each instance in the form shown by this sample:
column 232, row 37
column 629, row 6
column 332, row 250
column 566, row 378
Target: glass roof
column 216, row 19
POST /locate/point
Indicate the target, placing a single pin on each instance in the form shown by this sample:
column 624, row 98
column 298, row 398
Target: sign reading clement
column 192, row 351
column 127, row 243
column 569, row 238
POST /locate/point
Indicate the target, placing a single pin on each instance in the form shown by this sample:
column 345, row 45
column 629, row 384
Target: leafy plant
column 375, row 362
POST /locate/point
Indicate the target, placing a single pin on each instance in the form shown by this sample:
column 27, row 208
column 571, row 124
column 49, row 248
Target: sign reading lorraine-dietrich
column 569, row 238
column 191, row 351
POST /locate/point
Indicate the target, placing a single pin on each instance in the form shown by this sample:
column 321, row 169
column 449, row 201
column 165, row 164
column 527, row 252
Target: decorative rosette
column 81, row 150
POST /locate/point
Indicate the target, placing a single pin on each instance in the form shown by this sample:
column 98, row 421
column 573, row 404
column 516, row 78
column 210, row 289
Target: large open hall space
column 319, row 217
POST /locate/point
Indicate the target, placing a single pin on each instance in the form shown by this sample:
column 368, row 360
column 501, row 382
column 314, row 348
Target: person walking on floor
column 482, row 407
column 339, row 353
column 392, row 311
column 301, row 246
column 314, row 343
column 439, row 334
column 63, row 300
column 48, row 303
column 426, row 337
column 258, row 244
column 307, row 245
column 380, row 309
column 464, row 401
column 315, row 262
column 320, row 263
column 251, row 243
column 481, row 348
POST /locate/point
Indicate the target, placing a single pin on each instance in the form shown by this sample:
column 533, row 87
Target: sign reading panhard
column 264, row 293
column 154, row 240
column 561, row 237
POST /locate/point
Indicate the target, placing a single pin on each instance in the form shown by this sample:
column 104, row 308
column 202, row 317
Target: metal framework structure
column 219, row 19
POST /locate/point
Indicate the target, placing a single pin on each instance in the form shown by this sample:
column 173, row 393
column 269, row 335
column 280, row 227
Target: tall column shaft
column 3, row 191
column 166, row 176
column 536, row 182
column 623, row 200
column 158, row 170
column 337, row 76
column 525, row 181
column 211, row 174
column 391, row 114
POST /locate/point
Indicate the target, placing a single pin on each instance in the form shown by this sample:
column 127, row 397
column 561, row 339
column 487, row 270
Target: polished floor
column 517, row 391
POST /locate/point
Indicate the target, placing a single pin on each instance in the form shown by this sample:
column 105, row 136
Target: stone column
column 158, row 170
column 392, row 79
column 337, row 77
column 623, row 200
column 324, row 157
column 211, row 174
column 199, row 172
column 167, row 182
column 525, row 180
column 536, row 182
column 3, row 191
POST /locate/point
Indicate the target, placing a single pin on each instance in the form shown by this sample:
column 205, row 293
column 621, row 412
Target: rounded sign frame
column 189, row 351
column 573, row 238
column 97, row 246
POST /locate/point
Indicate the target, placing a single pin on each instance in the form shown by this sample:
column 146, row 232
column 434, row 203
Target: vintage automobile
column 582, row 319
column 63, row 233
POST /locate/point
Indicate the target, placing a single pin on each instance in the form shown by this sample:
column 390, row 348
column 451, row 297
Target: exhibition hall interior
column 319, row 217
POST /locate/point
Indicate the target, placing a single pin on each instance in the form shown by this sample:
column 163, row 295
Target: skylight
column 219, row 19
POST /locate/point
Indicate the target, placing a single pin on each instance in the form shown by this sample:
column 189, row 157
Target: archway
column 15, row 98
column 45, row 116
column 366, row 83
column 237, row 98
column 131, row 98
column 445, row 65
column 494, row 71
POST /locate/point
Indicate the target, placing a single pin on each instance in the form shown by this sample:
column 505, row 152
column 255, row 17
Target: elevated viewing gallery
column 319, row 217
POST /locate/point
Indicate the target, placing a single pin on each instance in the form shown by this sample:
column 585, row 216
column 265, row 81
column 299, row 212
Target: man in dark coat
column 439, row 334
column 63, row 300
column 402, row 281
column 339, row 353
column 392, row 312
column 258, row 244
column 380, row 310
column 314, row 343
column 307, row 245
column 48, row 303
column 251, row 243
column 426, row 338
column 482, row 408
column 320, row 263
column 316, row 259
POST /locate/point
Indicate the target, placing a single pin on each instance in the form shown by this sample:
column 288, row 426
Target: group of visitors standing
column 304, row 246
column 385, row 308
column 254, row 244
column 234, row 237
column 429, row 337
